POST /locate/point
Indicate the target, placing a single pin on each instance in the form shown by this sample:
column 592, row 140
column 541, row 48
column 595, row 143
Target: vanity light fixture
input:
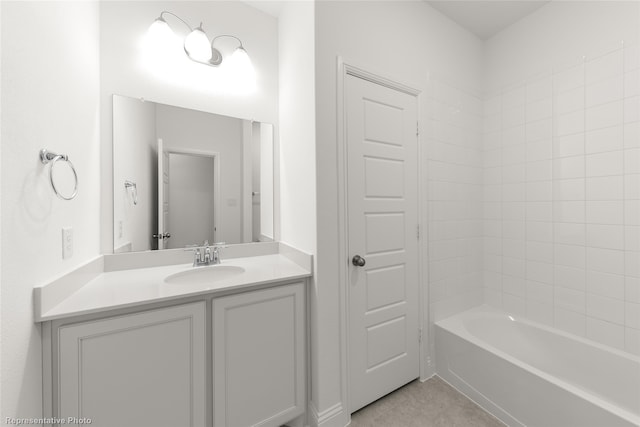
column 197, row 47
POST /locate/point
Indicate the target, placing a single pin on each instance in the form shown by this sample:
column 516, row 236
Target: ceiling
column 269, row 7
column 481, row 17
column 486, row 18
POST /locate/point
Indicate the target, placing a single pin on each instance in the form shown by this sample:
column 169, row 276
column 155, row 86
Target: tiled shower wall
column 561, row 198
column 454, row 151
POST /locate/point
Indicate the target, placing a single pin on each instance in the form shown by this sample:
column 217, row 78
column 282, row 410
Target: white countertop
column 126, row 288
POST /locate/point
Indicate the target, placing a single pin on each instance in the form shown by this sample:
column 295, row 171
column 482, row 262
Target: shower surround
column 561, row 158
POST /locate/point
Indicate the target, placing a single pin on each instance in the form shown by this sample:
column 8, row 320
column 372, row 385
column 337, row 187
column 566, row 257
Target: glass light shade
column 241, row 63
column 159, row 31
column 197, row 45
column 239, row 72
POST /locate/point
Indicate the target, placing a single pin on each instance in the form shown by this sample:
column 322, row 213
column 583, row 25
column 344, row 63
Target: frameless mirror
column 182, row 177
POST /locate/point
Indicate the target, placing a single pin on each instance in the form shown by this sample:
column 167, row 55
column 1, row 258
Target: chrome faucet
column 206, row 254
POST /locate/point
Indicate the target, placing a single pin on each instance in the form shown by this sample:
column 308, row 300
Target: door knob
column 358, row 261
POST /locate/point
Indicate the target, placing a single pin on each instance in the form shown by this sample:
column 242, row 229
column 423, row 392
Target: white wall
column 50, row 98
column 562, row 156
column 297, row 145
column 411, row 43
column 135, row 154
column 297, row 133
column 124, row 71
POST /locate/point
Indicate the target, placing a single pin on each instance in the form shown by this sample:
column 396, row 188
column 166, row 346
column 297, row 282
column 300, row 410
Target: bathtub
column 528, row 374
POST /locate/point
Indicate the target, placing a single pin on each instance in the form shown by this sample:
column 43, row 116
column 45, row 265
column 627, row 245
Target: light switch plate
column 67, row 242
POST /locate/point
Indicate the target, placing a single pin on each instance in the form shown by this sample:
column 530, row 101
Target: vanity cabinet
column 230, row 361
column 258, row 357
column 142, row 369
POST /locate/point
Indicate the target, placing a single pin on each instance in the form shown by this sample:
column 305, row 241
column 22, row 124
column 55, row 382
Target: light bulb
column 239, row 73
column 241, row 64
column 159, row 31
column 197, row 45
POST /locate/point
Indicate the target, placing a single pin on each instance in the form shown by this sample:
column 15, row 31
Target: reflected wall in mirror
column 182, row 177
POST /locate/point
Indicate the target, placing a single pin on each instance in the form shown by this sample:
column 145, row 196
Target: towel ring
column 130, row 185
column 47, row 156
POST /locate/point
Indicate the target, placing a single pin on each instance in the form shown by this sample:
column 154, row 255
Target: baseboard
column 335, row 416
column 428, row 369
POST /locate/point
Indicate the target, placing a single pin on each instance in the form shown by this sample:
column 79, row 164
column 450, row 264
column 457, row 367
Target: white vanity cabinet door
column 142, row 369
column 259, row 357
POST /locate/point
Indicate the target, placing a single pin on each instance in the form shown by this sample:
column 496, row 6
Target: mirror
column 182, row 177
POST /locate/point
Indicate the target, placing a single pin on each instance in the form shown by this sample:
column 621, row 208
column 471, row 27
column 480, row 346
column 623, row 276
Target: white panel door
column 143, row 369
column 382, row 191
column 259, row 357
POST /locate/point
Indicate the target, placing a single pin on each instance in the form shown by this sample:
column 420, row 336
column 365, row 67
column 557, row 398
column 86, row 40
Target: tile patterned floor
column 432, row 403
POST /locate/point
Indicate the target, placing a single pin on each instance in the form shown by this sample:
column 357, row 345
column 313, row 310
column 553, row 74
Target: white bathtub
column 525, row 373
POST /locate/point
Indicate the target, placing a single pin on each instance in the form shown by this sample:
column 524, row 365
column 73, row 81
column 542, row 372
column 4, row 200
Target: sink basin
column 203, row 275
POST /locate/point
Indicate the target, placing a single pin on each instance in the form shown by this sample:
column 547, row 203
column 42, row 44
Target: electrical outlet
column 67, row 242
column 120, row 229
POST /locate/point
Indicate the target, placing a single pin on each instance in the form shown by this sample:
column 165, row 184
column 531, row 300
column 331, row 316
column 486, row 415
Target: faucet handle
column 217, row 247
column 216, row 251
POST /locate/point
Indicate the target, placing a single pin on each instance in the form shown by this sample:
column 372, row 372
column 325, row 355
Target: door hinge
column 417, row 128
column 419, row 335
column 418, row 231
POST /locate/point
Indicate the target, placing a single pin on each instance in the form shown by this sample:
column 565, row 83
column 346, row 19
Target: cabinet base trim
column 330, row 417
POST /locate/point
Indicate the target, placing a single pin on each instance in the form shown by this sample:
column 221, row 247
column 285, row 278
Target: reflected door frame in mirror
column 163, row 209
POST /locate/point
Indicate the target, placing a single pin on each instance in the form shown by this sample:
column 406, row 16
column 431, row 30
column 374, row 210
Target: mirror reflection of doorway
column 193, row 199
column 245, row 177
